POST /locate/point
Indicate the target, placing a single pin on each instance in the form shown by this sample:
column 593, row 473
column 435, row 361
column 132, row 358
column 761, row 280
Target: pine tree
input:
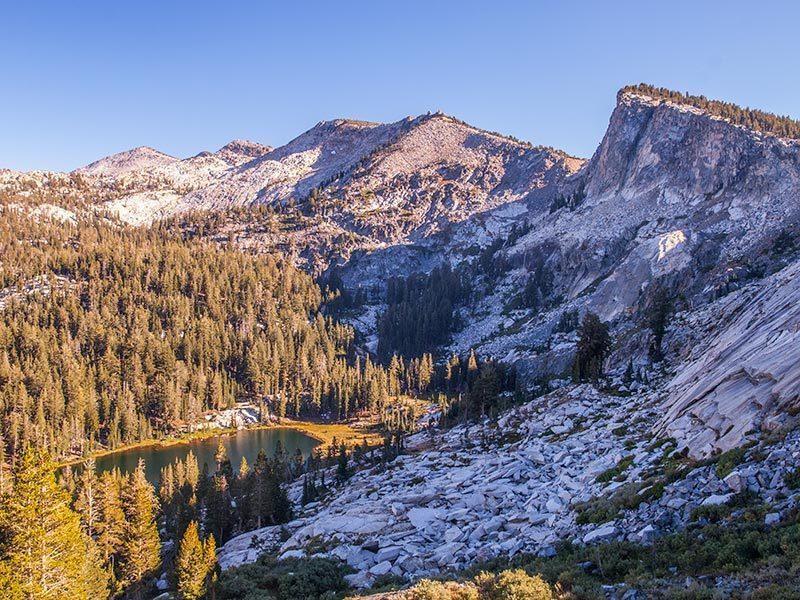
column 342, row 470
column 218, row 507
column 3, row 478
column 260, row 506
column 660, row 308
column 223, row 462
column 210, row 558
column 194, row 561
column 141, row 547
column 44, row 553
column 472, row 361
column 192, row 470
column 244, row 468
column 111, row 518
column 86, row 503
column 593, row 346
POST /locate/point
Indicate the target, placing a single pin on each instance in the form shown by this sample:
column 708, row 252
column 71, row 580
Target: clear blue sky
column 81, row 80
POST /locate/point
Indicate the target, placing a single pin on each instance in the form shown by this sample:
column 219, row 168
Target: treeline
column 757, row 120
column 420, row 313
column 150, row 330
column 231, row 499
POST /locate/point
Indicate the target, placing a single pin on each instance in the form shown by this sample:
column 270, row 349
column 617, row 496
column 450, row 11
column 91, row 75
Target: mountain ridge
column 673, row 197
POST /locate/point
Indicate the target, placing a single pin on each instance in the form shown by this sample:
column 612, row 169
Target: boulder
column 601, row 533
column 735, row 481
column 422, row 517
column 716, row 499
column 358, row 580
column 647, row 534
column 382, row 568
column 389, row 553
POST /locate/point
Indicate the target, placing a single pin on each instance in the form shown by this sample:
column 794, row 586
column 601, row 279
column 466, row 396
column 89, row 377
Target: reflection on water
column 246, row 442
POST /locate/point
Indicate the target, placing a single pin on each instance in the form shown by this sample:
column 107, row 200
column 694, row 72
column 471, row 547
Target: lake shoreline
column 322, row 432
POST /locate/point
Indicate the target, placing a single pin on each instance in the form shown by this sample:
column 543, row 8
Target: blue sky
column 81, row 80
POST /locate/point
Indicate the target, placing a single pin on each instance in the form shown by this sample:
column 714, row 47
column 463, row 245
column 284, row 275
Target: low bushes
column 291, row 579
column 510, row 584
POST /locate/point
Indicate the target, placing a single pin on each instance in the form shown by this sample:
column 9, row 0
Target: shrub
column 792, row 479
column 616, row 470
column 442, row 590
column 729, row 460
column 775, row 592
column 513, row 584
column 291, row 579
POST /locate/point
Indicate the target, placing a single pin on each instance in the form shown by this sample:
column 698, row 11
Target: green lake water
column 246, row 442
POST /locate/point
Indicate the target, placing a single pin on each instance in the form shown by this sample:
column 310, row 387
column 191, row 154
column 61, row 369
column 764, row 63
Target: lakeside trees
column 44, row 553
column 141, row 547
column 119, row 335
column 195, row 563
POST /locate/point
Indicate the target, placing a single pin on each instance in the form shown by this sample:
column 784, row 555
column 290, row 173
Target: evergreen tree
column 192, row 471
column 223, row 462
column 244, row 468
column 593, row 346
column 44, row 553
column 210, row 557
column 660, row 309
column 141, row 547
column 111, row 517
column 86, row 503
column 193, row 564
column 260, row 505
column 342, row 470
column 218, row 507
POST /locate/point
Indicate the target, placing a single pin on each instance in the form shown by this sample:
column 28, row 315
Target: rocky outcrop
column 688, row 201
column 238, row 152
column 480, row 491
column 741, row 369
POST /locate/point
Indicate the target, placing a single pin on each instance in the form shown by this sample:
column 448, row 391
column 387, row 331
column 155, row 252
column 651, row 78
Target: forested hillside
column 115, row 335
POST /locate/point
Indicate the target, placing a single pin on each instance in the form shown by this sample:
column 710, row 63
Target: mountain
column 681, row 204
column 124, row 162
column 683, row 196
column 680, row 233
column 238, row 152
column 675, row 198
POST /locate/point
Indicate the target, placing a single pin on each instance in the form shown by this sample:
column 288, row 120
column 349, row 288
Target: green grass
column 616, row 470
column 729, row 460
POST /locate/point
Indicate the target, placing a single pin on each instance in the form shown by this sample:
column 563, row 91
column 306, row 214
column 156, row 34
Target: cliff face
column 676, row 162
column 717, row 198
column 678, row 199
